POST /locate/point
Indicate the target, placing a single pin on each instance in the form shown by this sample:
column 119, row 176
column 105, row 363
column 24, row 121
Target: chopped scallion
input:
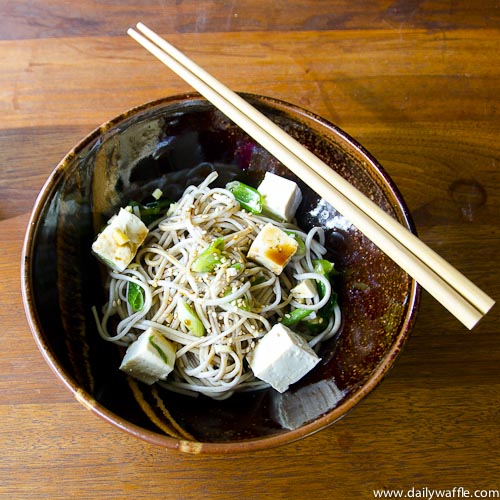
column 210, row 257
column 295, row 316
column 135, row 296
column 151, row 211
column 301, row 250
column 324, row 267
column 158, row 349
column 248, row 197
column 189, row 318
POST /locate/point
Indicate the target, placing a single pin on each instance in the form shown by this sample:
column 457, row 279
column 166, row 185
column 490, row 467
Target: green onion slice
column 153, row 210
column 248, row 197
column 189, row 318
column 301, row 250
column 210, row 257
column 135, row 296
column 325, row 268
column 295, row 316
column 158, row 349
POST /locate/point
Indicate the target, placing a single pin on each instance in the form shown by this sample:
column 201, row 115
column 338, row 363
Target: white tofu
column 118, row 243
column 281, row 358
column 306, row 289
column 273, row 248
column 281, row 197
column 150, row 358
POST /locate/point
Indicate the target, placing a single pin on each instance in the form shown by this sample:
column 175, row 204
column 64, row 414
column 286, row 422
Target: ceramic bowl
column 170, row 144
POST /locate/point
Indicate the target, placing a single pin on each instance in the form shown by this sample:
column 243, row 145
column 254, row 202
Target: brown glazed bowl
column 170, row 144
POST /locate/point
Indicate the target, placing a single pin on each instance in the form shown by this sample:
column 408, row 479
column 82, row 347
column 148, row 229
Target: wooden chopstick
column 453, row 290
column 478, row 298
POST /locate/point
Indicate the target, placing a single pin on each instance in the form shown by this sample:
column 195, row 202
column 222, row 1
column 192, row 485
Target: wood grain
column 417, row 83
column 38, row 19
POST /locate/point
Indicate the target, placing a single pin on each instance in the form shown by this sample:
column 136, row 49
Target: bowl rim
column 219, row 447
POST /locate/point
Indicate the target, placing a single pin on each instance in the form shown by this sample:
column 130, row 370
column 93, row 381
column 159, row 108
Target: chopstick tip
column 132, row 30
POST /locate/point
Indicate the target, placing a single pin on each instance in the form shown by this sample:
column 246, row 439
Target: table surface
column 417, row 83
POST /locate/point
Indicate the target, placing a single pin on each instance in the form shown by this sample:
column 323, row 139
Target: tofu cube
column 272, row 248
column 118, row 243
column 281, row 358
column 150, row 358
column 306, row 289
column 281, row 197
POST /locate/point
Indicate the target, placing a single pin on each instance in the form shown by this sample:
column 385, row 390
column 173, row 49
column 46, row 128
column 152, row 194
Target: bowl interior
column 170, row 144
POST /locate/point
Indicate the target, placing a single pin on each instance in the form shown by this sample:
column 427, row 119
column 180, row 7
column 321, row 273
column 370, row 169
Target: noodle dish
column 219, row 291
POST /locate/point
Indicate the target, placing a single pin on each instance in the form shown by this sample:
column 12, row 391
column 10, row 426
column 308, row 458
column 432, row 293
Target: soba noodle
column 237, row 303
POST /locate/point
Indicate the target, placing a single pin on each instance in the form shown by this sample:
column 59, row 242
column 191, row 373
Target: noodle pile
column 237, row 303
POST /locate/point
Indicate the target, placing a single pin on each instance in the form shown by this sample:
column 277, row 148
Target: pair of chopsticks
column 445, row 283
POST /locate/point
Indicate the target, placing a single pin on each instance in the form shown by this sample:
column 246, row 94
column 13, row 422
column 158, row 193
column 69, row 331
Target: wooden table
column 417, row 83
